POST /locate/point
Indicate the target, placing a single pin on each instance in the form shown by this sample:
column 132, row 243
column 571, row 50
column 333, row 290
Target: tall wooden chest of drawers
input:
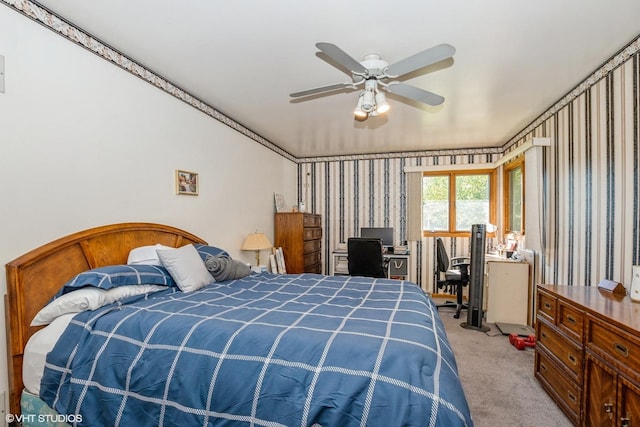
column 300, row 236
column 588, row 354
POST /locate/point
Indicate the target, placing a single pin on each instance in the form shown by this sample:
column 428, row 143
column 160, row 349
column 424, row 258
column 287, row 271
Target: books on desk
column 400, row 250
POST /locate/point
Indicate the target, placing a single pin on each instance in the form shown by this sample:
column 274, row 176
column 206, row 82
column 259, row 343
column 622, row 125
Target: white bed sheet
column 35, row 352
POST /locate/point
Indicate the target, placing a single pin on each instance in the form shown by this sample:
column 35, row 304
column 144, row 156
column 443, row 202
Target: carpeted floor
column 498, row 379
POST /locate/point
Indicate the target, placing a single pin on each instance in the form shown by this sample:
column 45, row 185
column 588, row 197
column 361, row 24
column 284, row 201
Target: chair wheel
column 456, row 316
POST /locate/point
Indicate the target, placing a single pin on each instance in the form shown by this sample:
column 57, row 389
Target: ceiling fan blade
column 321, row 89
column 420, row 60
column 415, row 93
column 341, row 57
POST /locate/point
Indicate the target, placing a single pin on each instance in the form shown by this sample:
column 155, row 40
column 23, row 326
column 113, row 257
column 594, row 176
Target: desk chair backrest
column 365, row 257
column 442, row 258
column 452, row 275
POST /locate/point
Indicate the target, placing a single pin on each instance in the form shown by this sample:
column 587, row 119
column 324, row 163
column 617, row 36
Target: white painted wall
column 84, row 143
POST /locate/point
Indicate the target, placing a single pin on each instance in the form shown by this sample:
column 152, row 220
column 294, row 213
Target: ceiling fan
column 372, row 72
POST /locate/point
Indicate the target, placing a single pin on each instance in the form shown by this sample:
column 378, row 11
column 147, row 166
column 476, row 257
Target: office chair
column 365, row 257
column 456, row 277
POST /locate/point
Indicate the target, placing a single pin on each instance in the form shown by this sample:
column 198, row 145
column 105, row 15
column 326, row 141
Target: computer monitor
column 384, row 233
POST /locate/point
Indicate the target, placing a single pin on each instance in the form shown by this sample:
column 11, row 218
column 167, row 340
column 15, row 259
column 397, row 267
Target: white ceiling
column 513, row 60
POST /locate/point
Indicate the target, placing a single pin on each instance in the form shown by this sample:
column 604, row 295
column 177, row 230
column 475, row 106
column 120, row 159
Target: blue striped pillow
column 206, row 250
column 113, row 276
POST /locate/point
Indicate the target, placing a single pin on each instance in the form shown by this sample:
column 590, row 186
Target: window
column 453, row 201
column 514, row 196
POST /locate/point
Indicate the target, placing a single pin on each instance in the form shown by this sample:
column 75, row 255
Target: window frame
column 452, row 174
column 508, row 168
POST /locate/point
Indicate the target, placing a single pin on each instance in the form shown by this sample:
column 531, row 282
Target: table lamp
column 256, row 242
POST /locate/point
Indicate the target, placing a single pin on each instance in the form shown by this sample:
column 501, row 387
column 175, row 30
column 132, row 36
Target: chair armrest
column 457, row 262
column 463, row 268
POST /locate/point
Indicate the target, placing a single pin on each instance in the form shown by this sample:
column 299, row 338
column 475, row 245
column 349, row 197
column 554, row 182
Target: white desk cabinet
column 507, row 288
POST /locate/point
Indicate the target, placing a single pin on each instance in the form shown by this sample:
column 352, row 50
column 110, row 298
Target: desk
column 398, row 264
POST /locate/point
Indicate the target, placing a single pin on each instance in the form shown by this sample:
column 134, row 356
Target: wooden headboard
column 36, row 276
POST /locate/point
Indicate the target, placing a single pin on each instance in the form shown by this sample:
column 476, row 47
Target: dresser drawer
column 311, row 221
column 613, row 343
column 311, row 259
column 566, row 392
column 565, row 350
column 311, row 246
column 312, row 233
column 316, row 268
column 570, row 321
column 547, row 306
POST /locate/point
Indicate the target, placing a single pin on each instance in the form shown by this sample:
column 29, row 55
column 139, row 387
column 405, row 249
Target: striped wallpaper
column 591, row 189
column 589, row 179
column 350, row 194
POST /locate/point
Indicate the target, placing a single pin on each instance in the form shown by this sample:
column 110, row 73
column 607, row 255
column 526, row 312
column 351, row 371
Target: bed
column 265, row 349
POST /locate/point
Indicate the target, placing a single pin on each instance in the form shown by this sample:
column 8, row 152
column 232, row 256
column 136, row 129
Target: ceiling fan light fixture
column 368, row 101
column 382, row 106
column 359, row 114
column 373, row 70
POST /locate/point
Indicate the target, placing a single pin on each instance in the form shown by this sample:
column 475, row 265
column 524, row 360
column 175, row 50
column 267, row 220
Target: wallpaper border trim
column 50, row 20
column 601, row 72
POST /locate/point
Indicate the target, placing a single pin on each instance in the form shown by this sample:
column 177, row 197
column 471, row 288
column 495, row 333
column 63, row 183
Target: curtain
column 414, row 206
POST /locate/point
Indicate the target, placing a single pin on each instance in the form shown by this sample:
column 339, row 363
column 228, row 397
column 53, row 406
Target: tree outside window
column 454, row 201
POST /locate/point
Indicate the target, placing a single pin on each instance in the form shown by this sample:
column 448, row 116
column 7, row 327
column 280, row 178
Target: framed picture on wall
column 186, row 182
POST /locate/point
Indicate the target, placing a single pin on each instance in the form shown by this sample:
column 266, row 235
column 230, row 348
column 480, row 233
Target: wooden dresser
column 588, row 354
column 300, row 236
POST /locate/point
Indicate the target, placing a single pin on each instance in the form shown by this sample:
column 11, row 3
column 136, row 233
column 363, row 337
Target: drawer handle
column 572, row 397
column 625, row 422
column 571, row 319
column 543, row 335
column 547, row 306
column 608, row 408
column 624, row 351
column 571, row 358
column 543, row 367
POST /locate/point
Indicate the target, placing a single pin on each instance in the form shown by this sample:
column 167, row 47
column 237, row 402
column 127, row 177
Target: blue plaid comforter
column 267, row 350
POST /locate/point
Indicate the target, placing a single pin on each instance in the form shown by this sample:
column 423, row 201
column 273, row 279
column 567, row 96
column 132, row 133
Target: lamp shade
column 256, row 242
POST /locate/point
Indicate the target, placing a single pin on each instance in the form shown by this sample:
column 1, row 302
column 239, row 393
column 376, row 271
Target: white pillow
column 146, row 255
column 186, row 267
column 36, row 350
column 88, row 298
column 121, row 292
